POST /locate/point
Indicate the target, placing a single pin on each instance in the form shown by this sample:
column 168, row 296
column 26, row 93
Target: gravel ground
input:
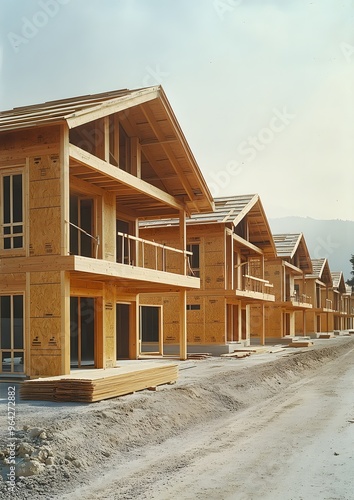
column 185, row 441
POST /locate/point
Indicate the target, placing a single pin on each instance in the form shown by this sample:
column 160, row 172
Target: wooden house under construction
column 229, row 247
column 318, row 285
column 76, row 177
column 287, row 272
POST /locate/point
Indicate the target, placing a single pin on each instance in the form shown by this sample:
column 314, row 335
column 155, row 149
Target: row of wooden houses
column 111, row 245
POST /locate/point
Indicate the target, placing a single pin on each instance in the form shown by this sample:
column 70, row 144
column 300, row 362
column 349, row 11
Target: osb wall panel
column 256, row 321
column 45, row 224
column 40, row 278
column 215, row 320
column 171, row 309
column 45, row 364
column 195, row 332
column 215, row 333
column 109, row 227
column 45, row 300
column 310, row 318
column 171, row 333
column 275, row 322
column 147, row 299
column 14, row 282
column 45, row 334
column 29, row 142
column 44, row 205
column 43, row 168
column 274, row 274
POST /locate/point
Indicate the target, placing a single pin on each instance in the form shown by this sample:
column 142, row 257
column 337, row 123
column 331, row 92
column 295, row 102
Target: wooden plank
column 95, row 385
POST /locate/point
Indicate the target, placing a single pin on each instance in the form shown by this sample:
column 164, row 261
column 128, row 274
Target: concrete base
column 214, row 350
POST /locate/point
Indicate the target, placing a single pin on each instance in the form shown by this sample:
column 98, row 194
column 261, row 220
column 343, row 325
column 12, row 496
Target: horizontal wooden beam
column 244, row 242
column 112, row 106
column 122, row 177
column 105, row 270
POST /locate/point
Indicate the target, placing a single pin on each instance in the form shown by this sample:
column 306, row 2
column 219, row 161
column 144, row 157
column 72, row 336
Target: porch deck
column 91, row 385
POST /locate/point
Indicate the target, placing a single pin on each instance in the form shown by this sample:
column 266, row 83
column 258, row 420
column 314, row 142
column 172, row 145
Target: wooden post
column 183, row 325
column 135, row 346
column 183, row 239
column 262, row 339
column 135, row 154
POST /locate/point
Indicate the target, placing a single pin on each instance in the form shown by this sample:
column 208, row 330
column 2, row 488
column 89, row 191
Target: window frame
column 12, row 251
column 194, row 271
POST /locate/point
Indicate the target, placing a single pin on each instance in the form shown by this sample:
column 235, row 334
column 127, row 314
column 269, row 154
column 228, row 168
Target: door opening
column 82, row 332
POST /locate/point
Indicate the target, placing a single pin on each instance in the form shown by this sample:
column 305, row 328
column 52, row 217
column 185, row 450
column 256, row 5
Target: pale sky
column 263, row 89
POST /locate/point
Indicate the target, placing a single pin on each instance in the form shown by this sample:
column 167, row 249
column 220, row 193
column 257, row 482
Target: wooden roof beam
column 122, row 177
column 168, row 151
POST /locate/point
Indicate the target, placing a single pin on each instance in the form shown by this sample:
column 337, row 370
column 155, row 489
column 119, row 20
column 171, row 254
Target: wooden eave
column 167, row 161
column 260, row 233
column 133, row 194
column 294, row 269
column 292, row 246
column 338, row 282
column 131, row 278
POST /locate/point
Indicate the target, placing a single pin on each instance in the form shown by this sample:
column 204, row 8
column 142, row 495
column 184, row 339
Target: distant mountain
column 333, row 239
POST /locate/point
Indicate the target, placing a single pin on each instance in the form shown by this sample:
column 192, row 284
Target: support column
column 262, row 338
column 183, row 325
column 183, row 239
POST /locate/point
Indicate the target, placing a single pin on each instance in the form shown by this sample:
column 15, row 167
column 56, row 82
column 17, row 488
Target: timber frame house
column 229, row 247
column 76, row 177
column 287, row 273
column 318, row 285
column 340, row 295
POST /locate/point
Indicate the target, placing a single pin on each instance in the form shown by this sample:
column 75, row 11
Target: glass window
column 12, row 212
column 194, row 260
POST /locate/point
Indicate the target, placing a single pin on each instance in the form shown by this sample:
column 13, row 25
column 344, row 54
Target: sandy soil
column 272, row 426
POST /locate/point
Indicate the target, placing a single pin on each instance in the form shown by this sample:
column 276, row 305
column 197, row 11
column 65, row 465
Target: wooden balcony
column 255, row 288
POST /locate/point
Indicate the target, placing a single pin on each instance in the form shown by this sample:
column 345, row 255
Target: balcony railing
column 135, row 251
column 299, row 297
column 253, row 284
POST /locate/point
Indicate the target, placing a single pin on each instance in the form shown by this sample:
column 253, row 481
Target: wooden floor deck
column 92, row 385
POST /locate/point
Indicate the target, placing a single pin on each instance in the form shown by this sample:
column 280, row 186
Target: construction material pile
column 88, row 386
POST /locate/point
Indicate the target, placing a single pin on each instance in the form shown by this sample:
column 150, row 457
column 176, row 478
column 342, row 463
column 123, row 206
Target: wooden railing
column 253, row 284
column 135, row 251
column 299, row 297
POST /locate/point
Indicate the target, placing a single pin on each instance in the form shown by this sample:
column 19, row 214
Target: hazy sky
column 263, row 89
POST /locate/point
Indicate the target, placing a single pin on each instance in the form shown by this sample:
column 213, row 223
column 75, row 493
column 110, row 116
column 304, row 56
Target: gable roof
column 321, row 271
column 288, row 245
column 67, row 110
column 231, row 210
column 338, row 281
column 167, row 161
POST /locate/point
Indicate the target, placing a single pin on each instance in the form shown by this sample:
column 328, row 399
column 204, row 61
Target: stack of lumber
column 301, row 343
column 236, row 354
column 325, row 336
column 88, row 386
column 199, row 355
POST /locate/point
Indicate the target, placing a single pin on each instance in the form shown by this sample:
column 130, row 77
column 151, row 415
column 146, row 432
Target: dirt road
column 273, row 426
column 296, row 444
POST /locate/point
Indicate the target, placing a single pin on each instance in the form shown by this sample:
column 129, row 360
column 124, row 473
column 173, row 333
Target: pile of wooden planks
column 199, row 355
column 88, row 386
column 301, row 343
